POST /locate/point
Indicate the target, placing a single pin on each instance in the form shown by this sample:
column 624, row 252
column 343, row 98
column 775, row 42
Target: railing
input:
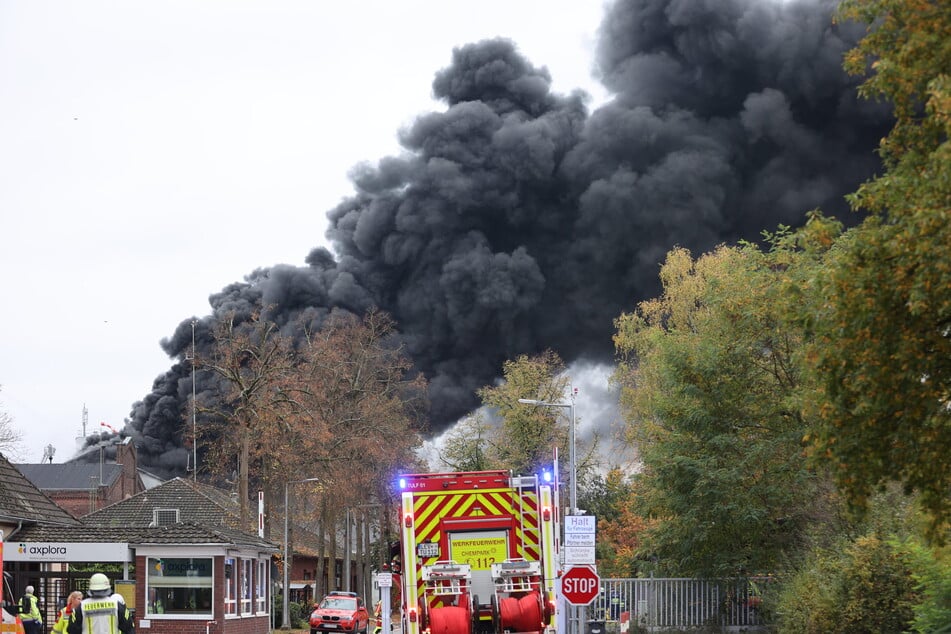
column 656, row 604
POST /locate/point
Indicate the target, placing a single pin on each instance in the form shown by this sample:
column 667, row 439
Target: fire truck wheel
column 496, row 616
column 423, row 621
column 474, row 614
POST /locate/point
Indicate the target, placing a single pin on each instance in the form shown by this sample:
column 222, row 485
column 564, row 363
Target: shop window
column 179, row 587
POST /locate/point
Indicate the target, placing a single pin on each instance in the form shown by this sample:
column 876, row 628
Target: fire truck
column 479, row 553
column 10, row 623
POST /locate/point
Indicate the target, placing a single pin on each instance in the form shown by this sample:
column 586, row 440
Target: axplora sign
column 65, row 551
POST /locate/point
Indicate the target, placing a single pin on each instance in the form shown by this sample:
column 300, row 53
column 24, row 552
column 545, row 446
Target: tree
column 10, row 437
column 361, row 413
column 254, row 365
column 360, row 402
column 881, row 333
column 465, row 445
column 710, row 386
column 527, row 435
column 612, row 499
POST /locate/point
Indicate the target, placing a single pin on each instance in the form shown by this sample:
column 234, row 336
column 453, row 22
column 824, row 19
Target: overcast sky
column 152, row 153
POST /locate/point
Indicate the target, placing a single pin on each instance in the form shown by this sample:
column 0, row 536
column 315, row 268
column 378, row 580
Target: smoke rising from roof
column 517, row 220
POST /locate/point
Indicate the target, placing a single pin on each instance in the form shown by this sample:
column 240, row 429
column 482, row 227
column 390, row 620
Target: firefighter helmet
column 99, row 582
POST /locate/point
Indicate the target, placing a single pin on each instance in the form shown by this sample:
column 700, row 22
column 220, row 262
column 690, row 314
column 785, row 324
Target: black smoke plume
column 517, row 220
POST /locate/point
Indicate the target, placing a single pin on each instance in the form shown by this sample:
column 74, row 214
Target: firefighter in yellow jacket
column 30, row 612
column 102, row 612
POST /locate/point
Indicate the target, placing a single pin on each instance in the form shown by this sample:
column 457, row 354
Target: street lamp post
column 286, row 617
column 562, row 607
column 572, row 469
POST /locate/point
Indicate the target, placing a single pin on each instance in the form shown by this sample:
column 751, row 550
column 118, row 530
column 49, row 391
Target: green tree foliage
column 604, row 496
column 526, row 435
column 465, row 446
column 932, row 574
column 882, row 328
column 711, row 388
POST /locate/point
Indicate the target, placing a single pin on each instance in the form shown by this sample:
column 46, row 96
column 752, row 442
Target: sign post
column 385, row 581
column 580, row 585
column 580, row 535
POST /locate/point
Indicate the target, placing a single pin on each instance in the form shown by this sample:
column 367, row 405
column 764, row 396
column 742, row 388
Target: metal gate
column 51, row 587
column 656, row 604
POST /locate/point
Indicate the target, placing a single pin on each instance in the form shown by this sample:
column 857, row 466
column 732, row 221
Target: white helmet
column 99, row 582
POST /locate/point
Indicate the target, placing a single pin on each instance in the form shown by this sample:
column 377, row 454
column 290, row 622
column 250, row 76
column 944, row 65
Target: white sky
column 153, row 152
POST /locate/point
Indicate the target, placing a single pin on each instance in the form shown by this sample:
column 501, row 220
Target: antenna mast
column 190, row 356
column 85, row 419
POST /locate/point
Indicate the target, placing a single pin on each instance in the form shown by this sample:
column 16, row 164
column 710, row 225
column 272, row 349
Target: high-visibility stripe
column 431, row 508
column 409, row 560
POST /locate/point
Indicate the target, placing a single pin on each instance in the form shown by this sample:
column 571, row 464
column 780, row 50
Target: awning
column 299, row 586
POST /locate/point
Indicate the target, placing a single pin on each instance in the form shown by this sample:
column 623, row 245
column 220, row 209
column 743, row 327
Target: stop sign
column 580, row 585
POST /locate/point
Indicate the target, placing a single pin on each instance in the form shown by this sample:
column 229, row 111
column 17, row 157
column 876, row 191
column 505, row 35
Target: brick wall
column 234, row 625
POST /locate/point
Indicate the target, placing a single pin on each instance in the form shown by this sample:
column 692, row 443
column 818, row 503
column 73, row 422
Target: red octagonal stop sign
column 580, row 585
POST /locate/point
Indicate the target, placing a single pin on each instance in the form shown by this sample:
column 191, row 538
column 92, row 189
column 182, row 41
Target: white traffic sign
column 579, row 539
column 580, row 524
column 579, row 555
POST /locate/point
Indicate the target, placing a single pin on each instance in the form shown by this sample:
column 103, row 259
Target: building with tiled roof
column 193, row 501
column 186, row 566
column 23, row 504
column 82, row 486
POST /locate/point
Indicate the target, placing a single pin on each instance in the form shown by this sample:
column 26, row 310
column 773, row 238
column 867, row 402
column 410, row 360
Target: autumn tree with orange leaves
column 336, row 405
column 882, row 332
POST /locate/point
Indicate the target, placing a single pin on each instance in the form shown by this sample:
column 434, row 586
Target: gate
column 51, row 587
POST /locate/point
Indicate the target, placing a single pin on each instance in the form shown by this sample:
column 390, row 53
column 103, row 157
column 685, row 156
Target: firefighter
column 30, row 612
column 378, row 617
column 74, row 599
column 102, row 612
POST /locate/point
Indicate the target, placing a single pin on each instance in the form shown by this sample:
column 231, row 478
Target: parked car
column 340, row 612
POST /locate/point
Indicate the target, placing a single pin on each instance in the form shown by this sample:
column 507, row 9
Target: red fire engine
column 478, row 553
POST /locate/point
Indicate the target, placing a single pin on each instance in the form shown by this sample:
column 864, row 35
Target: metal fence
column 657, row 604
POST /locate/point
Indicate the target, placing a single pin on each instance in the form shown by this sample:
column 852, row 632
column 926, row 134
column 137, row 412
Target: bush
column 300, row 615
column 878, row 588
column 867, row 586
column 933, row 583
column 806, row 603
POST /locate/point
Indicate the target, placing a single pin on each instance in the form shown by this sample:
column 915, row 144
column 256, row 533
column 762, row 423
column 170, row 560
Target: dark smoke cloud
column 516, row 220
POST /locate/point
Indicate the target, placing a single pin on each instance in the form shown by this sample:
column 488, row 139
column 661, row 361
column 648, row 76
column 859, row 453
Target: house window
column 261, row 583
column 179, row 587
column 164, row 517
column 231, row 587
column 246, row 586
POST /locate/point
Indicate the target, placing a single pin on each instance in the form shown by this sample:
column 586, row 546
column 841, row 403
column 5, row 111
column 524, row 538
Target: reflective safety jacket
column 63, row 620
column 101, row 615
column 29, row 610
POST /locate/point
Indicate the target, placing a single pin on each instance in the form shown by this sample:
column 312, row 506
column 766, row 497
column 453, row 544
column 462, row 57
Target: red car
column 340, row 612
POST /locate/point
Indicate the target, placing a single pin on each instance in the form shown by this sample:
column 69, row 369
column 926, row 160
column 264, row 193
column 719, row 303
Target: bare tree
column 11, row 440
column 255, row 368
